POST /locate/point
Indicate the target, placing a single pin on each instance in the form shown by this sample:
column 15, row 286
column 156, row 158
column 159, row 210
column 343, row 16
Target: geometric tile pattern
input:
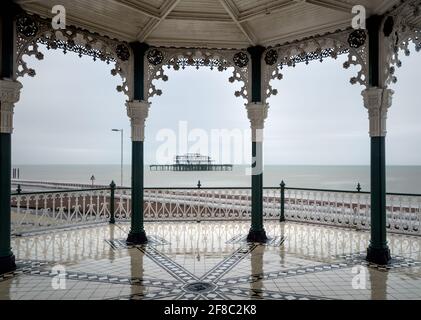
column 148, row 296
column 267, row 294
column 227, row 287
column 119, row 280
column 348, row 262
column 278, row 270
column 24, row 267
column 397, row 262
column 276, row 241
column 122, row 244
column 173, row 268
column 228, row 263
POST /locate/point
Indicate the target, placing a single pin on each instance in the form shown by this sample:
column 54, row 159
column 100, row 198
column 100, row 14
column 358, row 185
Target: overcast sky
column 66, row 113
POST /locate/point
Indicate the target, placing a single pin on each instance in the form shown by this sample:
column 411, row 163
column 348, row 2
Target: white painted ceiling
column 209, row 23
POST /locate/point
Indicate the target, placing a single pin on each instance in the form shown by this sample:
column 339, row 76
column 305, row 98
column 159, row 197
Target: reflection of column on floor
column 257, row 268
column 136, row 269
column 378, row 282
column 282, row 247
column 111, row 250
column 199, row 234
column 321, row 245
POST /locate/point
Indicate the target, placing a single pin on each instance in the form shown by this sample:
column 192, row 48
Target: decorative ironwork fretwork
column 357, row 38
column 271, row 57
column 241, row 59
column 123, row 52
column 317, row 48
column 33, row 30
column 155, row 57
column 402, row 27
column 26, row 26
column 158, row 59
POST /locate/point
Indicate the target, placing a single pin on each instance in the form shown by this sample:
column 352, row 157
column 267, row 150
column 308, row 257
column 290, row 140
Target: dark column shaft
column 378, row 193
column 137, row 187
column 7, row 12
column 257, row 190
column 5, row 186
column 257, row 232
column 378, row 251
column 7, row 259
column 137, row 233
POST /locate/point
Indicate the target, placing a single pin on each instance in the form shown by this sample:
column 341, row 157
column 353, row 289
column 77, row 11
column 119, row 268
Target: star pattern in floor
column 209, row 261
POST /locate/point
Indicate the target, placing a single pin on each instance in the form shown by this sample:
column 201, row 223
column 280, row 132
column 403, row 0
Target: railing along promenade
column 34, row 211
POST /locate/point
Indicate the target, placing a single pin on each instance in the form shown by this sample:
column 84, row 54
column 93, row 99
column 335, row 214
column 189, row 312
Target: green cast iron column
column 378, row 251
column 257, row 232
column 137, row 227
column 137, row 233
column 378, row 193
column 282, row 214
column 7, row 259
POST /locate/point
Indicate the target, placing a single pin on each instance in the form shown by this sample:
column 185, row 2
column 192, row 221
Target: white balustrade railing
column 58, row 209
column 198, row 204
column 345, row 209
column 352, row 209
column 336, row 208
column 403, row 214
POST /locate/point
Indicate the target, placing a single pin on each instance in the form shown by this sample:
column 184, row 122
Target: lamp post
column 122, row 132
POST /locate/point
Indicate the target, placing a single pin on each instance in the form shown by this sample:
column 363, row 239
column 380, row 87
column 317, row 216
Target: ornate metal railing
column 352, row 209
column 37, row 211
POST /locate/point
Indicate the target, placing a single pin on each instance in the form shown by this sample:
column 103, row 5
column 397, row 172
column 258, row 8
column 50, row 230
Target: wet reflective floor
column 210, row 260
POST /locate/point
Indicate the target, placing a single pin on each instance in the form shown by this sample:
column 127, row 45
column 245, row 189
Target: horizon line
column 235, row 165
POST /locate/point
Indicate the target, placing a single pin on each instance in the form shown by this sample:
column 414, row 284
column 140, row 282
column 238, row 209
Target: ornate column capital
column 257, row 113
column 9, row 95
column 377, row 101
column 138, row 111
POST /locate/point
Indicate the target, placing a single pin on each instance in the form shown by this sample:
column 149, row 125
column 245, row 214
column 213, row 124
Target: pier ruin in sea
column 192, row 162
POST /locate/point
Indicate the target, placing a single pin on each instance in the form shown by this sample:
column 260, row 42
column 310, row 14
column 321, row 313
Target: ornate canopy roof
column 209, row 23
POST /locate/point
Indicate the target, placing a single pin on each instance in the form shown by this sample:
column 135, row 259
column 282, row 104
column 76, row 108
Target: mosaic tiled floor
column 210, row 261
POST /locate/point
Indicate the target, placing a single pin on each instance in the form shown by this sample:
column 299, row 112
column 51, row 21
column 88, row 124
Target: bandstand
column 254, row 39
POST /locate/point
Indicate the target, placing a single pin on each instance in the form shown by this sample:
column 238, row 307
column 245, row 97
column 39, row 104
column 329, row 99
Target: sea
column 400, row 179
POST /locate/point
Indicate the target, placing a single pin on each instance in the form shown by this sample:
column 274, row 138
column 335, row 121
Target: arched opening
column 316, row 141
column 202, row 115
column 65, row 116
column 317, row 124
column 404, row 136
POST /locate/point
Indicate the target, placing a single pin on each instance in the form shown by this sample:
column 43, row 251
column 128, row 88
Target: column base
column 137, row 238
column 380, row 256
column 257, row 236
column 7, row 264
